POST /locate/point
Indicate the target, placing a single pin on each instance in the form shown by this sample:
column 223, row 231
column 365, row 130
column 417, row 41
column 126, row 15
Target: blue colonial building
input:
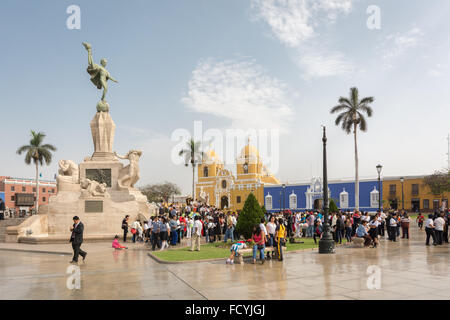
column 309, row 196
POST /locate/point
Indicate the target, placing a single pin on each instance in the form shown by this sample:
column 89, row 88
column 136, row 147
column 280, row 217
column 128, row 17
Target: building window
column 13, row 198
column 205, row 171
column 24, row 189
column 343, row 199
column 238, row 199
column 245, row 167
column 34, row 189
column 292, row 200
column 435, row 204
column 415, row 189
column 43, row 199
column 392, row 190
column 426, row 204
column 374, row 197
column 13, row 188
column 268, row 202
column 43, row 190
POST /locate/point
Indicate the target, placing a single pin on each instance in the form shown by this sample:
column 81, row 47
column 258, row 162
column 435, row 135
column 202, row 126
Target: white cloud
column 288, row 19
column 397, row 44
column 241, row 91
column 318, row 65
column 293, row 21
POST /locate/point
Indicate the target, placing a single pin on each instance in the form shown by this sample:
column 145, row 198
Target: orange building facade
column 10, row 188
column 413, row 196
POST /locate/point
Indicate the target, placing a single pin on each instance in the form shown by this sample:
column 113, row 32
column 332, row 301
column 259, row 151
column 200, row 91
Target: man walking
column 77, row 239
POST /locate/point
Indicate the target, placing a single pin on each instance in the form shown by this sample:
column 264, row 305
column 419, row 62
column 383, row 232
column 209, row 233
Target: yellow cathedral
column 218, row 187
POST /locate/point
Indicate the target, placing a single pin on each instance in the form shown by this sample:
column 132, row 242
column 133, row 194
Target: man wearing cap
column 77, row 239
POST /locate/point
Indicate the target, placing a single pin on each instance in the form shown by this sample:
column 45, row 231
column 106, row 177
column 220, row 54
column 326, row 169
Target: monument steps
column 8, row 223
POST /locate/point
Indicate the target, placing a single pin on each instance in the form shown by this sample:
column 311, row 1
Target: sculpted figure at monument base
column 129, row 175
column 91, row 188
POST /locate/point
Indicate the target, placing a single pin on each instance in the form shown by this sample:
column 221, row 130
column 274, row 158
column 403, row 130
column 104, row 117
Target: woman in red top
column 260, row 239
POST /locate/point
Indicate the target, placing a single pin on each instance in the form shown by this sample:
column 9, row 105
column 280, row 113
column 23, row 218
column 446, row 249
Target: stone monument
column 100, row 190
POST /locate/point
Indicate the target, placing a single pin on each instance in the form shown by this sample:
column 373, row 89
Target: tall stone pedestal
column 103, row 129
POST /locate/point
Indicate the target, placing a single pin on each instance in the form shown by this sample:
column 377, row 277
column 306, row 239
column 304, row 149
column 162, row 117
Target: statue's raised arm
column 121, row 157
column 99, row 76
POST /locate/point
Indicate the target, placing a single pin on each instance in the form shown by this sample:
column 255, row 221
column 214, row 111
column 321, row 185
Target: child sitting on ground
column 116, row 245
column 235, row 251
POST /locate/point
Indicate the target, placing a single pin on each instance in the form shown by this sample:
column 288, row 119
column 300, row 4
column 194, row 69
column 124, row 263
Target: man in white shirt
column 439, row 223
column 393, row 227
column 429, row 229
column 196, row 234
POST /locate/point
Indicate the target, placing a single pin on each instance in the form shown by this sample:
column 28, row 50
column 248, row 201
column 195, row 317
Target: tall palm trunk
column 356, row 170
column 37, row 187
column 193, row 180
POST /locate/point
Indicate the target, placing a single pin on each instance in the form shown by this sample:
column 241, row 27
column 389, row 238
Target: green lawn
column 217, row 250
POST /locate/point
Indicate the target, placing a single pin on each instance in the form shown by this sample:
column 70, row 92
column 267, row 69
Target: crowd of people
column 193, row 222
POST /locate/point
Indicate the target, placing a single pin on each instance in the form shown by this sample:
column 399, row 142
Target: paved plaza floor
column 409, row 270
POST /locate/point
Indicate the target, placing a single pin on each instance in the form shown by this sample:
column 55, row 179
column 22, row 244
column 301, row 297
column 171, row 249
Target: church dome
column 250, row 151
column 211, row 156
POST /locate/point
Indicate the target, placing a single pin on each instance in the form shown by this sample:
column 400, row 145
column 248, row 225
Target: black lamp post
column 379, row 167
column 403, row 199
column 326, row 244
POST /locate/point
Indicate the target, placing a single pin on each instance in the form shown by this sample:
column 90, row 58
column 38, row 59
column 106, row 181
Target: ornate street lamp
column 379, row 167
column 403, row 201
column 326, row 244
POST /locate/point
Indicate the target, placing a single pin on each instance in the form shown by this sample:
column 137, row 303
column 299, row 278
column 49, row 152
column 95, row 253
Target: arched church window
column 268, row 201
column 224, row 184
column 374, row 197
column 245, row 167
column 205, row 171
column 343, row 199
column 292, row 200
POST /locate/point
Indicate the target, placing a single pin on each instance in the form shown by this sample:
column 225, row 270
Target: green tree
column 264, row 211
column 37, row 153
column 250, row 216
column 193, row 155
column 160, row 191
column 351, row 116
column 438, row 182
column 333, row 206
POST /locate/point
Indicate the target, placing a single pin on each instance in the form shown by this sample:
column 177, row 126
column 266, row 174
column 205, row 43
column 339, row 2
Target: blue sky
column 285, row 63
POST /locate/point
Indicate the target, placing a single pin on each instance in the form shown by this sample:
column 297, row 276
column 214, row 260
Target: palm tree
column 192, row 154
column 351, row 116
column 38, row 153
